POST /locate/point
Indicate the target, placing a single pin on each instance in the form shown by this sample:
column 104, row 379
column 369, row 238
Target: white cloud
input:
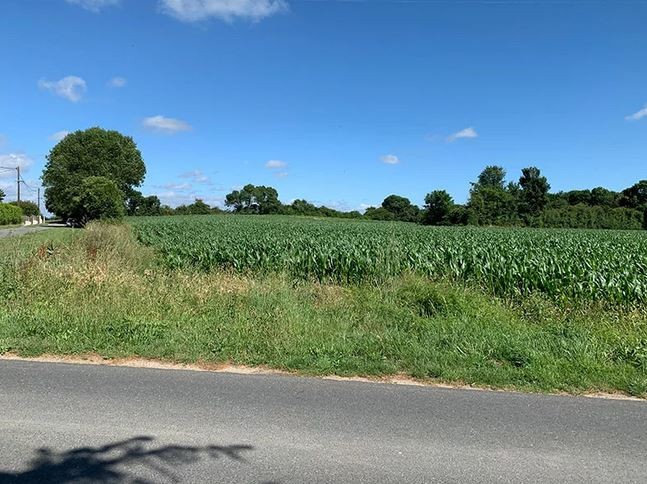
column 174, row 198
column 117, row 82
column 12, row 160
column 275, row 164
column 165, row 125
column 71, row 88
column 59, row 135
column 463, row 133
column 94, row 5
column 175, row 187
column 196, row 176
column 637, row 115
column 227, row 10
column 390, row 159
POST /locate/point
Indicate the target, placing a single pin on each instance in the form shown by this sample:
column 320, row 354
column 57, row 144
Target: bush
column 29, row 209
column 10, row 214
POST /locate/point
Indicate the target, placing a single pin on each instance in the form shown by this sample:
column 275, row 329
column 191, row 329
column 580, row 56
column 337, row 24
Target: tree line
column 94, row 174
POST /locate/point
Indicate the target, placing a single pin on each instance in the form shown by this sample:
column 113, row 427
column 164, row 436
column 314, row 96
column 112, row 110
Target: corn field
column 566, row 265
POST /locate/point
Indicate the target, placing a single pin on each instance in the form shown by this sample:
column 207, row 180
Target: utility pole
column 39, row 212
column 18, row 183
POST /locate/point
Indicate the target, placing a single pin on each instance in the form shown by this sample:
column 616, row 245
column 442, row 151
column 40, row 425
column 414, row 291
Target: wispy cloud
column 94, row 5
column 58, row 136
column 71, row 88
column 175, row 198
column 390, row 159
column 117, row 82
column 12, row 160
column 275, row 164
column 166, row 125
column 637, row 115
column 281, row 174
column 196, row 176
column 227, row 10
column 177, row 187
column 463, row 133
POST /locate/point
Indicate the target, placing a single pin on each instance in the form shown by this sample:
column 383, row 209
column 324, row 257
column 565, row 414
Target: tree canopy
column 97, row 198
column 94, row 152
column 438, row 207
column 254, row 199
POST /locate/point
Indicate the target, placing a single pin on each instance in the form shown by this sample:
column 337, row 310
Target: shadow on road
column 118, row 462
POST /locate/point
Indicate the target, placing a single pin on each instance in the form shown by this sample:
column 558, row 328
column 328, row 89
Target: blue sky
column 338, row 102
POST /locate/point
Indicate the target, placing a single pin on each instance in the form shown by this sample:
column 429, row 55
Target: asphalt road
column 78, row 423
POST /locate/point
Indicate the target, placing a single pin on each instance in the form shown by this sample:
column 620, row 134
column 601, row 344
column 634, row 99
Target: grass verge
column 99, row 291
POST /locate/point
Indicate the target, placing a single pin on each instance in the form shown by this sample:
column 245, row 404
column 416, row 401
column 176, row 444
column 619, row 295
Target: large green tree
column 82, row 154
column 139, row 205
column 401, row 208
column 491, row 202
column 254, row 199
column 97, row 198
column 533, row 195
column 438, row 207
column 635, row 196
column 198, row 207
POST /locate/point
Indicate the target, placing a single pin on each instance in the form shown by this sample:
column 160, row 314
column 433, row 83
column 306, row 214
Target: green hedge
column 585, row 217
column 10, row 214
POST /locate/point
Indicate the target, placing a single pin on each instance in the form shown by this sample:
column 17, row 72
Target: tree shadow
column 110, row 463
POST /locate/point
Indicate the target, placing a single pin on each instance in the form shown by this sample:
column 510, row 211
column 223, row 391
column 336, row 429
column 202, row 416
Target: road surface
column 25, row 229
column 80, row 423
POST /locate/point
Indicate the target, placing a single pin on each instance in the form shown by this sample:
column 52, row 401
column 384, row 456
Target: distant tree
column 267, row 199
column 139, row 205
column 254, row 199
column 592, row 217
column 492, row 176
column 29, row 209
column 2, row 195
column 401, row 208
column 438, row 207
column 198, row 207
column 491, row 202
column 459, row 215
column 90, row 153
column 150, row 205
column 303, row 207
column 379, row 213
column 166, row 210
column 533, row 195
column 575, row 197
column 635, row 196
column 601, row 197
column 557, row 200
column 97, row 198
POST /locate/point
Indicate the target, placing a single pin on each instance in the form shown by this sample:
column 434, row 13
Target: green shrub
column 10, row 214
column 29, row 209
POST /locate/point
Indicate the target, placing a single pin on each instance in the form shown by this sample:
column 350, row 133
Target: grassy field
column 286, row 293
